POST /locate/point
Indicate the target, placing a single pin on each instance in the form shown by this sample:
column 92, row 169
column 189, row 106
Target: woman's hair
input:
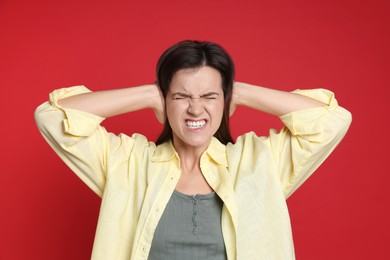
column 195, row 54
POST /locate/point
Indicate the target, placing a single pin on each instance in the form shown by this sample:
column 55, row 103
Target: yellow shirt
column 253, row 177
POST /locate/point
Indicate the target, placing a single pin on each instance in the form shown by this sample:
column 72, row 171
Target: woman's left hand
column 234, row 101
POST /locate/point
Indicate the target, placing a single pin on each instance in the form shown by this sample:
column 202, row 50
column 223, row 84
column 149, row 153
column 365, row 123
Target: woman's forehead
column 196, row 80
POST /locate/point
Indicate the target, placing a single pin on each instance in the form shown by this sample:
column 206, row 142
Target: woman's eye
column 209, row 97
column 179, row 97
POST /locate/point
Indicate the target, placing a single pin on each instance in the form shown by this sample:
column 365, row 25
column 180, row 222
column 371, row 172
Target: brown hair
column 196, row 54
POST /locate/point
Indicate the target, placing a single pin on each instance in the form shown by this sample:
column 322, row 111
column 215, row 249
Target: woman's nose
column 195, row 106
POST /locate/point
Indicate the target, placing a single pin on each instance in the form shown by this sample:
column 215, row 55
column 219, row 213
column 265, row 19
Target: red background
column 342, row 212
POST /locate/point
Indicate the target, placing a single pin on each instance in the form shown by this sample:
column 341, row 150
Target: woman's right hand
column 159, row 106
column 113, row 102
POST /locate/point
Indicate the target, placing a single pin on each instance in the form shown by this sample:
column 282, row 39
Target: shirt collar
column 164, row 152
column 216, row 151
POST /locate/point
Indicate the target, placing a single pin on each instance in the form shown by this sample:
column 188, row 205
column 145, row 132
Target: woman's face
column 194, row 106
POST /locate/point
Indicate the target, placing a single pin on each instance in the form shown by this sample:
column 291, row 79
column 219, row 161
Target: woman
column 194, row 194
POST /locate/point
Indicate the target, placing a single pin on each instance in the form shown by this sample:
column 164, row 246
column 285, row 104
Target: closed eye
column 207, row 96
column 179, row 96
column 210, row 96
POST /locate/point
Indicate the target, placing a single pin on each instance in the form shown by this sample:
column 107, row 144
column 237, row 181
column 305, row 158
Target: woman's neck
column 192, row 180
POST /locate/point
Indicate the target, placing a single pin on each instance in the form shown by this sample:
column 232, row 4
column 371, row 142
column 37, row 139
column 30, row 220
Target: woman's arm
column 70, row 123
column 109, row 103
column 314, row 125
column 274, row 102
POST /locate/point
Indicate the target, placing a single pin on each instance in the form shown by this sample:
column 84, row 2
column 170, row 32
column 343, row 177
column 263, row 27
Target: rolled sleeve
column 76, row 137
column 77, row 123
column 307, row 139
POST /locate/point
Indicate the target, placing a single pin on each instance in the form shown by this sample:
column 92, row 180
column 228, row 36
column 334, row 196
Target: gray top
column 190, row 228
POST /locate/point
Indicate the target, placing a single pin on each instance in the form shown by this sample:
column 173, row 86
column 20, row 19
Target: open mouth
column 195, row 124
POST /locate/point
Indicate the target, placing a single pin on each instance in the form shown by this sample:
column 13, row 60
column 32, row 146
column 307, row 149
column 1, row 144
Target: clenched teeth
column 195, row 124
